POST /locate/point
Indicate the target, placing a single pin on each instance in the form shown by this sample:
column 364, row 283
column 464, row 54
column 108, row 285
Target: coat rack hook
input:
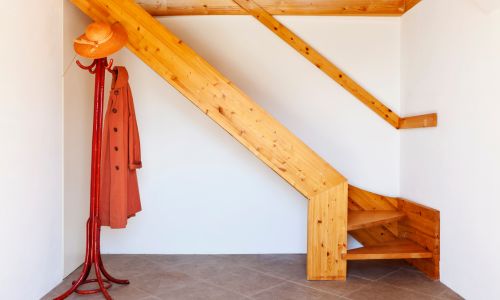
column 90, row 68
column 109, row 67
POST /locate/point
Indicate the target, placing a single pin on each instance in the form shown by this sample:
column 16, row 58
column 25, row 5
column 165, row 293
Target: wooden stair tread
column 398, row 249
column 364, row 219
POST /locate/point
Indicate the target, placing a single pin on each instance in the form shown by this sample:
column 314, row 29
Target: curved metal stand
column 93, row 245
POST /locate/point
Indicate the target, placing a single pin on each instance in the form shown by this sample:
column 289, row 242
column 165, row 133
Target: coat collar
column 120, row 77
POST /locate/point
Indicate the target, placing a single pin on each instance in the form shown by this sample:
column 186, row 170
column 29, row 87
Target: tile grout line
column 405, row 288
column 293, row 282
column 266, row 289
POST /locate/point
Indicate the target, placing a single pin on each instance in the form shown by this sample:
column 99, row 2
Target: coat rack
column 93, row 247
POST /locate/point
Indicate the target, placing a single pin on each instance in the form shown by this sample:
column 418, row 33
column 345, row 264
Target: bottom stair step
column 398, row 249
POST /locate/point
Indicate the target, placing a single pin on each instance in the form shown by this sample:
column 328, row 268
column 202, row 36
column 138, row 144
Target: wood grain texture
column 361, row 200
column 365, row 219
column 409, row 4
column 327, row 235
column 422, row 121
column 398, row 249
column 422, row 226
column 245, row 120
column 277, row 7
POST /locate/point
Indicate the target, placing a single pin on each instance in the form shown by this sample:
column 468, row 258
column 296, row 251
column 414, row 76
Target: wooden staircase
column 393, row 228
column 388, row 228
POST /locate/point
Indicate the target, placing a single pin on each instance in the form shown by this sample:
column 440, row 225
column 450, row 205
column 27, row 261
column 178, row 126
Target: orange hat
column 100, row 40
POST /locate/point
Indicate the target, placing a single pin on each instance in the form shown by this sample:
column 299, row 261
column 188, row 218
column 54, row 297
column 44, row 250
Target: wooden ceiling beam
column 280, row 7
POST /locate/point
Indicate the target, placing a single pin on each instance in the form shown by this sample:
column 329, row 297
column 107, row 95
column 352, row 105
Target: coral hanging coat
column 121, row 156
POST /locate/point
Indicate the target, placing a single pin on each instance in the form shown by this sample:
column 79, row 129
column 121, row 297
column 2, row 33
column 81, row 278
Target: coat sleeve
column 134, row 144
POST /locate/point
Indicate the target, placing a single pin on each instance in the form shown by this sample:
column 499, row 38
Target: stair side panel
column 422, row 226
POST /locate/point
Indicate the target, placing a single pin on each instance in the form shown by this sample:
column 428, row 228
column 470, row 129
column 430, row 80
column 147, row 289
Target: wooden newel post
column 327, row 234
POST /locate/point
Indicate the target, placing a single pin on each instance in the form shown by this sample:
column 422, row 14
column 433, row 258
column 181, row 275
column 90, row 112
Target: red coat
column 121, row 156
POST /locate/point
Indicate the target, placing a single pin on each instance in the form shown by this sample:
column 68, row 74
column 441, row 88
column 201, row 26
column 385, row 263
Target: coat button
column 117, row 92
column 115, row 129
column 116, row 148
column 117, row 168
column 114, row 110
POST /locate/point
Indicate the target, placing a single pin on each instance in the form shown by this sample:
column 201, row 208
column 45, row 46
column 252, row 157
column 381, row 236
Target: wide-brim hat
column 100, row 40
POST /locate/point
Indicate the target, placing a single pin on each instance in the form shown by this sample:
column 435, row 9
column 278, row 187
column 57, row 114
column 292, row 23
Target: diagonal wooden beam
column 325, row 65
column 247, row 122
column 277, row 7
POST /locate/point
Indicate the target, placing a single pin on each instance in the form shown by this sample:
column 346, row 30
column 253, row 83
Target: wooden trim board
column 280, row 7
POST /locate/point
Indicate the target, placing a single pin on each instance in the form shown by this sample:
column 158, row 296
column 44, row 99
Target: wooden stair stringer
column 421, row 226
column 248, row 123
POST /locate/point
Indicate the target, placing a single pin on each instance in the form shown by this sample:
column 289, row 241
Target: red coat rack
column 93, row 247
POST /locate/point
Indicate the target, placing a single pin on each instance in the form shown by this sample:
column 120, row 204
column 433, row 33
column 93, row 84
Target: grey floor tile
column 381, row 291
column 373, row 270
column 286, row 266
column 203, row 271
column 336, row 287
column 243, row 281
column 290, row 291
column 200, row 291
column 275, row 276
column 448, row 294
column 415, row 281
column 172, row 260
column 117, row 292
column 156, row 283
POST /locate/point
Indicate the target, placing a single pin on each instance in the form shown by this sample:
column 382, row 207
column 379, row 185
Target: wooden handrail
column 332, row 70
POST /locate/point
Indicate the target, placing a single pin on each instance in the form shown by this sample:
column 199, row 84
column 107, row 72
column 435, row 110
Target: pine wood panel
column 422, row 226
column 327, row 235
column 365, row 219
column 247, row 122
column 429, row 120
column 277, row 7
column 409, row 4
column 398, row 249
column 370, row 201
column 361, row 200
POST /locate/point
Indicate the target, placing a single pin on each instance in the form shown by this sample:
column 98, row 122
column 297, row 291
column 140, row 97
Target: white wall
column 31, row 151
column 451, row 63
column 202, row 192
column 78, row 109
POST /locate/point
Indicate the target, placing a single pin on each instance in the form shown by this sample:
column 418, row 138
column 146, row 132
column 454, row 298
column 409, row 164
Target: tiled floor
column 261, row 277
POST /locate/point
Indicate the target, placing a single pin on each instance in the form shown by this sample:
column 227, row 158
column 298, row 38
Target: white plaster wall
column 31, row 148
column 489, row 6
column 202, row 192
column 78, row 109
column 451, row 63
